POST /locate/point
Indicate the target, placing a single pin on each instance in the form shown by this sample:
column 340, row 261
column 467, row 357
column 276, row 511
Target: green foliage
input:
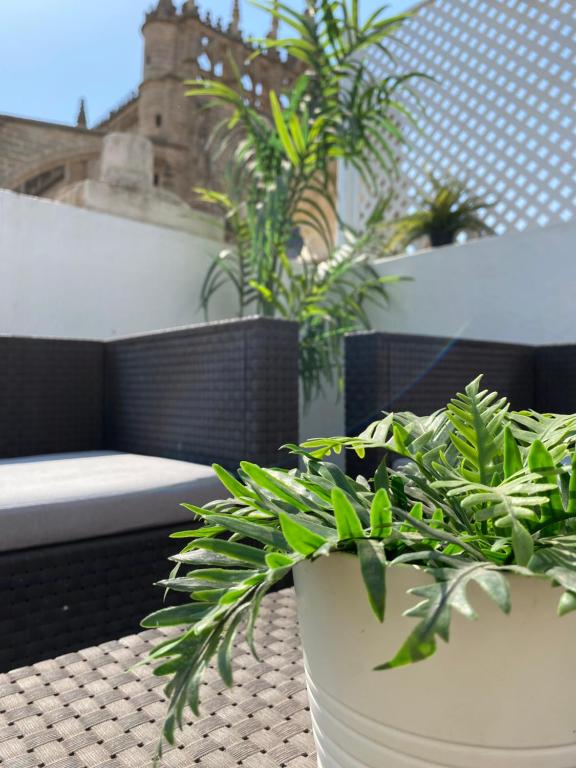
column 486, row 492
column 448, row 210
column 281, row 177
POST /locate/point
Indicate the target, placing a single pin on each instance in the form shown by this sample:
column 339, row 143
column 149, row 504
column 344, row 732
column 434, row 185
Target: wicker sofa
column 386, row 372
column 100, row 442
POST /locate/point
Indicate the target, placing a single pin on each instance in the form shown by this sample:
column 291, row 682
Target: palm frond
column 281, row 177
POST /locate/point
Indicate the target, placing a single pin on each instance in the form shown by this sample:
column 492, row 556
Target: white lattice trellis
column 501, row 115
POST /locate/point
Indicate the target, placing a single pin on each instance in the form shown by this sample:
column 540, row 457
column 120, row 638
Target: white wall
column 66, row 271
column 517, row 287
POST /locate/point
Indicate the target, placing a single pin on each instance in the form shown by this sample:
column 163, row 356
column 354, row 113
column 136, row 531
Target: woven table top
column 86, row 710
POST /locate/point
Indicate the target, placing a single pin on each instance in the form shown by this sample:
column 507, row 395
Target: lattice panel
column 501, row 116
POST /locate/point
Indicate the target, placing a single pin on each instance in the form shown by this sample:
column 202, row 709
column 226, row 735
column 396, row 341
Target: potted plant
column 479, row 518
column 443, row 213
column 280, row 187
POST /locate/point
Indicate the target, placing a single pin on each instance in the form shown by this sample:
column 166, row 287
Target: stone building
column 49, row 159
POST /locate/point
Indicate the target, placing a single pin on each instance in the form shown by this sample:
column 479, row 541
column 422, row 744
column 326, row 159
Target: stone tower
column 185, row 46
column 45, row 158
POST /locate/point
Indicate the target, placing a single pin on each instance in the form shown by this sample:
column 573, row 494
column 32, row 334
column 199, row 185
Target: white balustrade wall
column 67, row 271
column 518, row 288
column 500, row 116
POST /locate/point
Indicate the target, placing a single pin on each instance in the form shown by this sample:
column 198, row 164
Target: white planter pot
column 501, row 694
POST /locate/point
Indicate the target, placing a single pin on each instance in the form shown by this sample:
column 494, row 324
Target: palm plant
column 282, row 173
column 486, row 493
column 327, row 298
column 448, row 210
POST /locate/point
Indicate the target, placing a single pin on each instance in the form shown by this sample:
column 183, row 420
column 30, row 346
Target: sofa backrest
column 401, row 372
column 215, row 392
column 556, row 379
column 220, row 392
column 397, row 372
column 51, row 396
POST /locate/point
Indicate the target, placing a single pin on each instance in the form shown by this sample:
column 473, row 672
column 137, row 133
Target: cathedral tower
column 161, row 87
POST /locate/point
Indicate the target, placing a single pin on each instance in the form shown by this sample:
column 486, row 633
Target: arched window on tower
column 204, row 62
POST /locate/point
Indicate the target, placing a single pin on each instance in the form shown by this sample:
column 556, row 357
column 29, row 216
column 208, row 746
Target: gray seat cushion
column 71, row 496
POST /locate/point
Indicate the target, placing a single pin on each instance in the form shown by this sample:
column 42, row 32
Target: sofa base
column 63, row 597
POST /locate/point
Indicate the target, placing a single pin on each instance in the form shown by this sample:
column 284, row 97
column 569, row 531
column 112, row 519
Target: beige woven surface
column 86, row 710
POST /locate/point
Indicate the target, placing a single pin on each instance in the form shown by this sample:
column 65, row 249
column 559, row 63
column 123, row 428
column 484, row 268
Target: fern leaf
column 477, row 417
column 447, row 593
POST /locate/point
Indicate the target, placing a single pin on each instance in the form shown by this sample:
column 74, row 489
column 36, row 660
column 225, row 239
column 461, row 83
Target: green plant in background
column 486, row 492
column 281, row 176
column 328, row 298
column 442, row 215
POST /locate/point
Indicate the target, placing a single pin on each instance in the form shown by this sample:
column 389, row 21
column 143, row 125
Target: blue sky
column 52, row 52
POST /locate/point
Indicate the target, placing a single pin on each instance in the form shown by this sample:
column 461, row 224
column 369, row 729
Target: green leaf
column 222, row 575
column 420, row 645
column 373, row 566
column 261, row 533
column 571, row 508
column 381, row 515
column 198, row 533
column 233, row 550
column 540, row 461
column 477, row 419
column 347, row 521
column 400, row 438
column 567, row 603
column 300, row 538
column 512, row 457
column 447, row 593
column 381, row 481
column 276, row 560
column 522, row 543
column 550, row 428
column 282, row 130
column 184, row 584
column 399, row 497
column 265, row 479
column 231, row 484
column 564, row 576
column 176, row 615
column 416, row 513
column 496, row 586
column 225, row 649
column 196, row 556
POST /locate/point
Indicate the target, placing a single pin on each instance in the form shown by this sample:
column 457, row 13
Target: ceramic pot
column 501, row 694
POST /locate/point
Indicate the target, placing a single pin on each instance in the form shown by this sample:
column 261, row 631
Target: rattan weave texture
column 51, row 396
column 90, row 710
column 80, row 593
column 217, row 392
column 403, row 372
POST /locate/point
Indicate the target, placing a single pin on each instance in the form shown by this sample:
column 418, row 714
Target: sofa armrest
column 217, row 392
column 51, row 395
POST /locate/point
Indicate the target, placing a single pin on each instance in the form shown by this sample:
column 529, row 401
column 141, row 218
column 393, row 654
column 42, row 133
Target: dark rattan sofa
column 397, row 372
column 99, row 444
